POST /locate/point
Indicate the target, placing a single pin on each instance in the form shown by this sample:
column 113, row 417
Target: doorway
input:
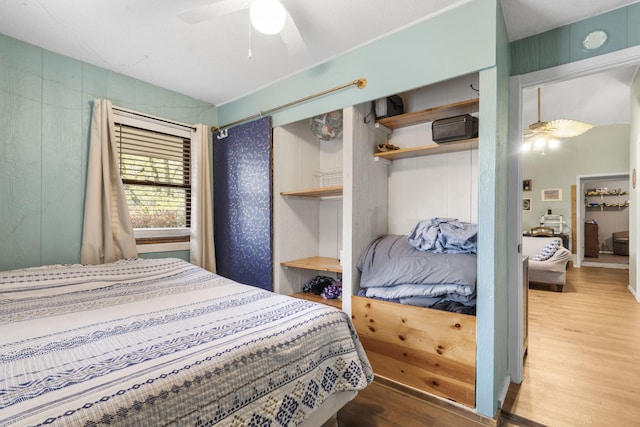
column 603, row 214
column 518, row 84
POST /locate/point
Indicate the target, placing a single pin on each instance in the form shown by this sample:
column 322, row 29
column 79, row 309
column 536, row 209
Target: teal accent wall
column 45, row 106
column 452, row 44
column 492, row 287
column 564, row 45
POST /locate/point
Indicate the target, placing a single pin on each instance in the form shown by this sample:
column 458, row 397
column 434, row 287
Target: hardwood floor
column 380, row 405
column 582, row 366
column 583, row 362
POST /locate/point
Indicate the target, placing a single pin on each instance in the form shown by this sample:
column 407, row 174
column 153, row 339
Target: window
column 154, row 159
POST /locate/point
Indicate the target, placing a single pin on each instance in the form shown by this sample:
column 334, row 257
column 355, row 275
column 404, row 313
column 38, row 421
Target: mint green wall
column 44, row 118
column 452, row 44
column 492, row 376
column 563, row 45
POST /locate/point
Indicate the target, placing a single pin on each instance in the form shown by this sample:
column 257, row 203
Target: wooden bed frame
column 429, row 350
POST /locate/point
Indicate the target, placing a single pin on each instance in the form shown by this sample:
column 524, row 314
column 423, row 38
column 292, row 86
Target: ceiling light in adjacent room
column 267, row 16
column 542, row 135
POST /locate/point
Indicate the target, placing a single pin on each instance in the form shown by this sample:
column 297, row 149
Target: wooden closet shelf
column 425, row 150
column 431, row 114
column 315, row 192
column 317, row 263
column 309, row 296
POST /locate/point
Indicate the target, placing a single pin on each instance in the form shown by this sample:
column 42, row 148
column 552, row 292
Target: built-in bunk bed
column 428, row 343
column 408, row 340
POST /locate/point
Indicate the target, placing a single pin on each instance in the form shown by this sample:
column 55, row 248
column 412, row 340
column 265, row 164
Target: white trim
column 155, row 124
column 151, row 124
column 162, row 247
column 147, row 118
column 572, row 70
column 514, row 234
column 503, row 392
column 145, row 233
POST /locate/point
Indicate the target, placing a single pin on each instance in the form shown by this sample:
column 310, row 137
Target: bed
column 415, row 311
column 393, row 270
column 163, row 342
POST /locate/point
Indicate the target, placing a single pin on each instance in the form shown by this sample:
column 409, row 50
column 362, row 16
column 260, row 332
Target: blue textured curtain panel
column 242, row 203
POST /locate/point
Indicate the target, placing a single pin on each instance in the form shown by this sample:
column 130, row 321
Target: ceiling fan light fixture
column 542, row 135
column 267, row 16
column 539, row 144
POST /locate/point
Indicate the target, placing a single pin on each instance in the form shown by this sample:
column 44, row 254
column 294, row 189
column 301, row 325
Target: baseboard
column 505, row 389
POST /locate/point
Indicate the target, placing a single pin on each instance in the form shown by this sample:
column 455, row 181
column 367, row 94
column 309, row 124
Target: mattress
column 393, row 270
column 163, row 342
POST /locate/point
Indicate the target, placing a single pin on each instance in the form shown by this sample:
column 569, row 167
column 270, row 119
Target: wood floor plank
column 583, row 361
column 380, row 405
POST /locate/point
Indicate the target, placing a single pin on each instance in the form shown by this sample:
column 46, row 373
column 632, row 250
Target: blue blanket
column 444, row 235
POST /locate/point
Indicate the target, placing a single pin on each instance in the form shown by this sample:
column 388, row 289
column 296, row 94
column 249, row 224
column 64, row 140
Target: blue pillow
column 547, row 252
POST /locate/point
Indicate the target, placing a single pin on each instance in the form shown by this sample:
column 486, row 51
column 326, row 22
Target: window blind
column 155, row 170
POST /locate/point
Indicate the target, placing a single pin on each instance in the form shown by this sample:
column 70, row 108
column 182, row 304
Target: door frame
column 517, row 84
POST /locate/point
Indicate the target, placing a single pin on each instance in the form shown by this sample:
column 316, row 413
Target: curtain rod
column 148, row 116
column 360, row 83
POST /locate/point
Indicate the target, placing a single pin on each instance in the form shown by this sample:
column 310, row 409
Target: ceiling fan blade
column 559, row 128
column 213, row 10
column 292, row 38
column 532, row 136
column 565, row 128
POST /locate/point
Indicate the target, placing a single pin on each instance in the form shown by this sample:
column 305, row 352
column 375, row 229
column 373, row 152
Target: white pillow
column 547, row 252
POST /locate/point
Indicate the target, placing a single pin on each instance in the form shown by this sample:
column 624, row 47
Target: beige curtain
column 202, row 252
column 107, row 232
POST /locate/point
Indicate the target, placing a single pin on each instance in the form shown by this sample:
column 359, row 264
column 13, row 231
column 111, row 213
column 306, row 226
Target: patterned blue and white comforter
column 163, row 342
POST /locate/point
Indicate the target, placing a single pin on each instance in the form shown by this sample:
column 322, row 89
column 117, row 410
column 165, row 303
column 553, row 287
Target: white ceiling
column 148, row 40
column 601, row 98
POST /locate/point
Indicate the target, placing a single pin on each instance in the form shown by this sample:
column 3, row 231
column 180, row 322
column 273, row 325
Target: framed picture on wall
column 552, row 195
column 526, row 185
column 526, row 204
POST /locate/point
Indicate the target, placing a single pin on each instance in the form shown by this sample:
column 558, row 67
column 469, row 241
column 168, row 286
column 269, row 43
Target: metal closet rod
column 360, row 83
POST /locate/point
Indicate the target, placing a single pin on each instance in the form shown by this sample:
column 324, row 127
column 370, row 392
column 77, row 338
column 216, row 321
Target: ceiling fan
column 553, row 129
column 266, row 16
